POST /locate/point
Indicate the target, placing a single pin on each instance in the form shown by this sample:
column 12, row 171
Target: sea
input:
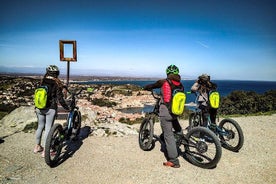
column 225, row 87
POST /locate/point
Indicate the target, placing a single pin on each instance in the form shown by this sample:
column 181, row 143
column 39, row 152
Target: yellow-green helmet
column 172, row 69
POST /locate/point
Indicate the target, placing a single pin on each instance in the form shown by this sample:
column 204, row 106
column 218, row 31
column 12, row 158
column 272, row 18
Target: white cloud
column 202, row 44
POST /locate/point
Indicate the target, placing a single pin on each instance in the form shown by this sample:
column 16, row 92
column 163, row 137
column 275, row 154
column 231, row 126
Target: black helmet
column 52, row 70
column 172, row 69
column 204, row 78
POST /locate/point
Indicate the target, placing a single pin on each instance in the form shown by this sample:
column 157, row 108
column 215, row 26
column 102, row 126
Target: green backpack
column 40, row 97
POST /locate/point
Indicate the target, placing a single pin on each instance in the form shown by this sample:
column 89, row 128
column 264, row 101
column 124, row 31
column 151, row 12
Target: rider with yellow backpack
column 46, row 99
column 171, row 106
column 208, row 98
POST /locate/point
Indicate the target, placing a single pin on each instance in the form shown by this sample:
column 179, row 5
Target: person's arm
column 157, row 84
column 195, row 87
column 61, row 99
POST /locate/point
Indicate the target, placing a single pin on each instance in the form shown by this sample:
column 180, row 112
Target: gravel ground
column 120, row 160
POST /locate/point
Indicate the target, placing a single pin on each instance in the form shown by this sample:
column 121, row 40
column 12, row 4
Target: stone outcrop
column 17, row 120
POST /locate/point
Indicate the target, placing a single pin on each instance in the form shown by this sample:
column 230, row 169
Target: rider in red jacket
column 169, row 122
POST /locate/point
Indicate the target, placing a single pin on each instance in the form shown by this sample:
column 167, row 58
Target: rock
column 88, row 116
column 17, row 120
column 115, row 129
column 23, row 116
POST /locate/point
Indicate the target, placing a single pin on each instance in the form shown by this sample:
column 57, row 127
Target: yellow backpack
column 214, row 99
column 40, row 97
column 178, row 103
column 178, row 99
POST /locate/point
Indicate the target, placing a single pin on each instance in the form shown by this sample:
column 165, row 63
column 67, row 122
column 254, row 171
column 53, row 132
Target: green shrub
column 248, row 102
column 7, row 107
column 30, row 127
column 103, row 102
column 128, row 122
column 124, row 92
column 124, row 120
column 2, row 114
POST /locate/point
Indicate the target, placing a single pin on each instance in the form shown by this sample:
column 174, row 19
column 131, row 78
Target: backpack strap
column 170, row 82
column 174, row 86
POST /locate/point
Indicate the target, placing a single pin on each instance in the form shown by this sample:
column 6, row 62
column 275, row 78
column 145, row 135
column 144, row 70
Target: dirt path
column 120, row 160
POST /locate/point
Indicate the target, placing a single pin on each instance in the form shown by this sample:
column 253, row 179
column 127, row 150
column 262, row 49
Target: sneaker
column 170, row 164
column 38, row 149
column 52, row 153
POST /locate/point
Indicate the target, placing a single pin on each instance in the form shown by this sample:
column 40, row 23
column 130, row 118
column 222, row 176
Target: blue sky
column 231, row 39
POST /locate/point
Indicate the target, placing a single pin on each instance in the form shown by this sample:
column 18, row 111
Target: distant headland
column 79, row 77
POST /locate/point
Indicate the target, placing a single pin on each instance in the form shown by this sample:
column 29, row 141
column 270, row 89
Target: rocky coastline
column 16, row 94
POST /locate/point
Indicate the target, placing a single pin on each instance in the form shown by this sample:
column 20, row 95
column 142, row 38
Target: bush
column 30, row 127
column 248, row 102
column 7, row 107
column 103, row 102
column 127, row 121
column 2, row 114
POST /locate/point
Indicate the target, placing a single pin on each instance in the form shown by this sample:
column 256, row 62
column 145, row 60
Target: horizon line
column 64, row 76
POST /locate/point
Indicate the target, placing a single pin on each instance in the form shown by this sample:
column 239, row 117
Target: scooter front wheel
column 54, row 144
column 146, row 141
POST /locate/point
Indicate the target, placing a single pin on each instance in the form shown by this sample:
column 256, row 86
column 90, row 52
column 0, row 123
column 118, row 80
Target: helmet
column 52, row 70
column 172, row 69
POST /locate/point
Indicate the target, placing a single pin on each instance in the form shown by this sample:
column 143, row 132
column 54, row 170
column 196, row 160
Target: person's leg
column 50, row 118
column 205, row 115
column 41, row 123
column 178, row 132
column 163, row 147
column 172, row 154
column 176, row 126
column 213, row 114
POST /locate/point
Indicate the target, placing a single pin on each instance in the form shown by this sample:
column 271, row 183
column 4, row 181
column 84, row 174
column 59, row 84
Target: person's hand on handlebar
column 68, row 108
column 147, row 88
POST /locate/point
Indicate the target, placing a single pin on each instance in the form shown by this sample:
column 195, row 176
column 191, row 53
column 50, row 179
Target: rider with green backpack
column 171, row 106
column 208, row 98
column 46, row 97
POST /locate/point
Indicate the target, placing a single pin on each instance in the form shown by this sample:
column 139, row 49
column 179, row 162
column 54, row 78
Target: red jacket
column 166, row 90
column 165, row 86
